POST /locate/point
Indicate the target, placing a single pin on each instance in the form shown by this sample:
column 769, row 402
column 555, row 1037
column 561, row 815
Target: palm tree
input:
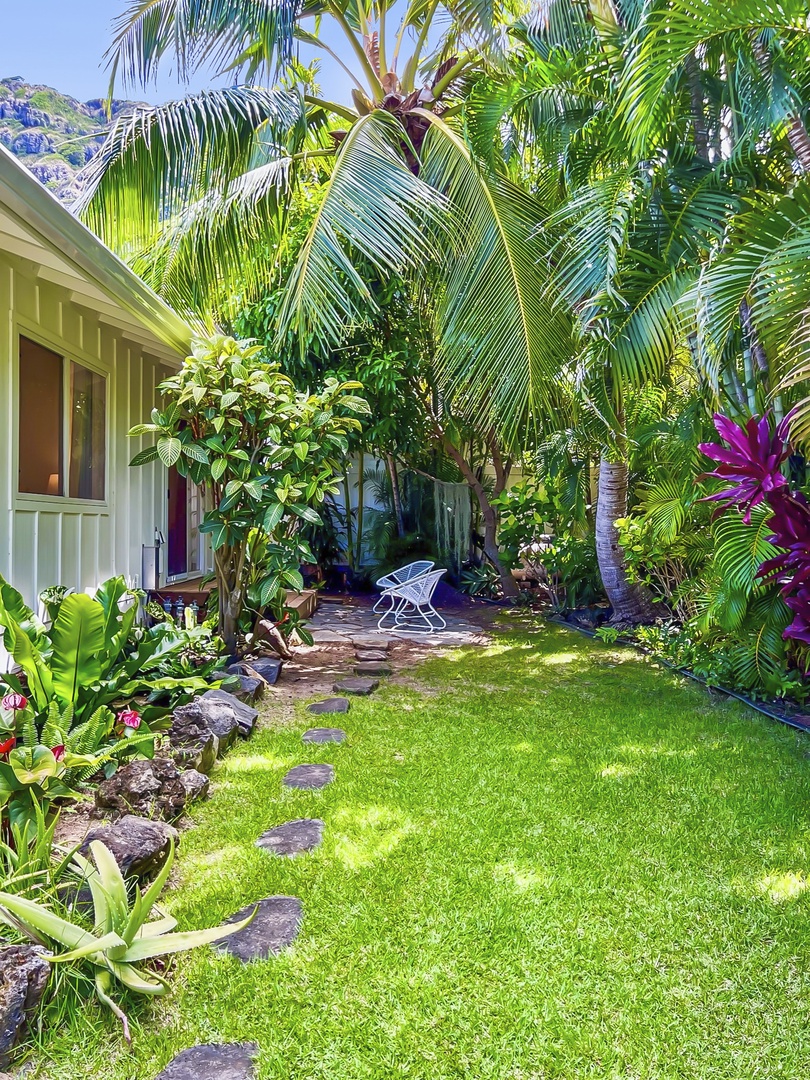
column 748, row 72
column 195, row 193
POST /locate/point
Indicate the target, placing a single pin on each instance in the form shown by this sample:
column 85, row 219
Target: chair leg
column 392, row 610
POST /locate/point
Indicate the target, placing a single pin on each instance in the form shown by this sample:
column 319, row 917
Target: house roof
column 36, row 226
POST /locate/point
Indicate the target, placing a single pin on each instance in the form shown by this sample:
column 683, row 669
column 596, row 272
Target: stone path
column 275, row 927
column 356, row 685
column 293, row 837
column 330, row 705
column 230, row 1061
column 309, row 777
column 324, row 735
column 357, row 623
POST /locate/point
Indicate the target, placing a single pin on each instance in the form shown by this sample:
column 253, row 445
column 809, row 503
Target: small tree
column 264, row 454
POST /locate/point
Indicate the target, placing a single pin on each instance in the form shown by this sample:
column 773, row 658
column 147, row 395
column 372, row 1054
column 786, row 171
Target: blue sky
column 61, row 43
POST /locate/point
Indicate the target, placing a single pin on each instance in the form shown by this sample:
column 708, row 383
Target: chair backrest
column 420, row 590
column 413, row 570
column 405, row 573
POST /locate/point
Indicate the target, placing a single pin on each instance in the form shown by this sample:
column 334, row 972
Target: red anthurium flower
column 129, row 718
column 14, row 702
column 58, row 752
column 7, row 746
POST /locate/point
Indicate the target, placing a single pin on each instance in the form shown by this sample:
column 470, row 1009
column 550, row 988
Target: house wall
column 47, row 540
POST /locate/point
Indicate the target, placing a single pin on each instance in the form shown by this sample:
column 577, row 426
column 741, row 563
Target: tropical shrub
column 92, row 654
column 264, row 454
column 482, row 580
column 40, row 765
column 572, row 572
column 125, row 936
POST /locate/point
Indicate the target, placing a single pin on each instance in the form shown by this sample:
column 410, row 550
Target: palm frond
column 504, row 336
column 200, row 33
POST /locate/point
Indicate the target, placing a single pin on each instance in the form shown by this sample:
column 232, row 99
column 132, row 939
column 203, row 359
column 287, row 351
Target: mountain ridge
column 51, row 133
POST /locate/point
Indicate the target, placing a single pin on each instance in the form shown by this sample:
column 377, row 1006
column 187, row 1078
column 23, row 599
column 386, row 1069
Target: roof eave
column 37, row 209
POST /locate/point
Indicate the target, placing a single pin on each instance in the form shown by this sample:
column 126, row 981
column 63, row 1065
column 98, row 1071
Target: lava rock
column 194, row 745
column 138, row 845
column 269, row 667
column 324, row 735
column 371, row 667
column 309, row 777
column 195, row 783
column 275, row 927
column 357, row 686
column 245, row 715
column 228, row 1061
column 148, row 788
column 250, row 689
column 330, row 705
column 24, row 973
column 292, row 837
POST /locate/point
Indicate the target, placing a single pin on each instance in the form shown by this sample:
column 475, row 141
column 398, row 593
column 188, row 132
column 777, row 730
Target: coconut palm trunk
column 632, row 604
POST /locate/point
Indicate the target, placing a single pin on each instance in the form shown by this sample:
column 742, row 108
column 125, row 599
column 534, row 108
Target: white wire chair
column 411, row 605
column 399, row 577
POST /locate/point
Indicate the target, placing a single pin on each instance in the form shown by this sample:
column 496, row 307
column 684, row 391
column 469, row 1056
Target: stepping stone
column 369, row 641
column 275, row 927
column 357, row 686
column 366, row 655
column 324, row 735
column 292, row 837
column 229, row 1061
column 372, row 667
column 330, row 705
column 309, row 777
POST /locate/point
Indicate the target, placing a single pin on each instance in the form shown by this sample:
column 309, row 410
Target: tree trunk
column 631, row 603
column 347, row 499
column 361, row 497
column 799, row 141
column 395, row 494
column 228, row 563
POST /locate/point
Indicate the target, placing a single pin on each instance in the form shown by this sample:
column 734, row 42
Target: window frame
column 24, row 500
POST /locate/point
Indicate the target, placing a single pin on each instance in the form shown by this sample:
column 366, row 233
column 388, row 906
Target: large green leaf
column 78, row 646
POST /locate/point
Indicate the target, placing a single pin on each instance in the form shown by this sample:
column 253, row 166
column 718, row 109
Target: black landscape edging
column 630, row 644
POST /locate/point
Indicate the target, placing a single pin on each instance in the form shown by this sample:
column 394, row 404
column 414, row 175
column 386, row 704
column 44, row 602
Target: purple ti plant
column 750, row 464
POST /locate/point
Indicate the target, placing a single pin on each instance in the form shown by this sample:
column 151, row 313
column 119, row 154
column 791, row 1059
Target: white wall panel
column 47, row 541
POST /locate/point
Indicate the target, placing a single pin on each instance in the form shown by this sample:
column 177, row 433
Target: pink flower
column 58, row 752
column 129, row 718
column 14, row 702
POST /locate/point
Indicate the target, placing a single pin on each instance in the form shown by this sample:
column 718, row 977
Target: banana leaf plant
column 125, row 935
column 85, row 659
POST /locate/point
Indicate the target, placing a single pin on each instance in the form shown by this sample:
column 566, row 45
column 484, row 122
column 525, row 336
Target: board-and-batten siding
column 60, row 541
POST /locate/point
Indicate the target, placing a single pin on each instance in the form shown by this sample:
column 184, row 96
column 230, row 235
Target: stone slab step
column 356, row 686
column 364, row 656
column 371, row 641
column 275, row 927
column 293, row 837
column 372, row 667
column 309, row 777
column 330, row 705
column 228, row 1061
column 324, row 735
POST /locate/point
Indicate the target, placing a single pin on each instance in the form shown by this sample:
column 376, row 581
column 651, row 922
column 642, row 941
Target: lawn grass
column 553, row 860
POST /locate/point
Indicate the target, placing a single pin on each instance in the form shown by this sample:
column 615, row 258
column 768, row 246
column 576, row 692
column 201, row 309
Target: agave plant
column 124, row 935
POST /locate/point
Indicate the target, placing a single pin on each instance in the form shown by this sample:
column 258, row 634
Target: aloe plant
column 124, row 937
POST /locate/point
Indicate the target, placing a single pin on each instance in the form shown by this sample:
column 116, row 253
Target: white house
column 83, row 346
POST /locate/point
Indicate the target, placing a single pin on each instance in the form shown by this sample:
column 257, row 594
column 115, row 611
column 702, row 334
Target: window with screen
column 62, row 425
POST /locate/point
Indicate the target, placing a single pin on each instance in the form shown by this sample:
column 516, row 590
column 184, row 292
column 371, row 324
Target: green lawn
column 554, row 860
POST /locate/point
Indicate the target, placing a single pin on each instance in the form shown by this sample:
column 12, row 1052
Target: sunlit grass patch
column 542, row 867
